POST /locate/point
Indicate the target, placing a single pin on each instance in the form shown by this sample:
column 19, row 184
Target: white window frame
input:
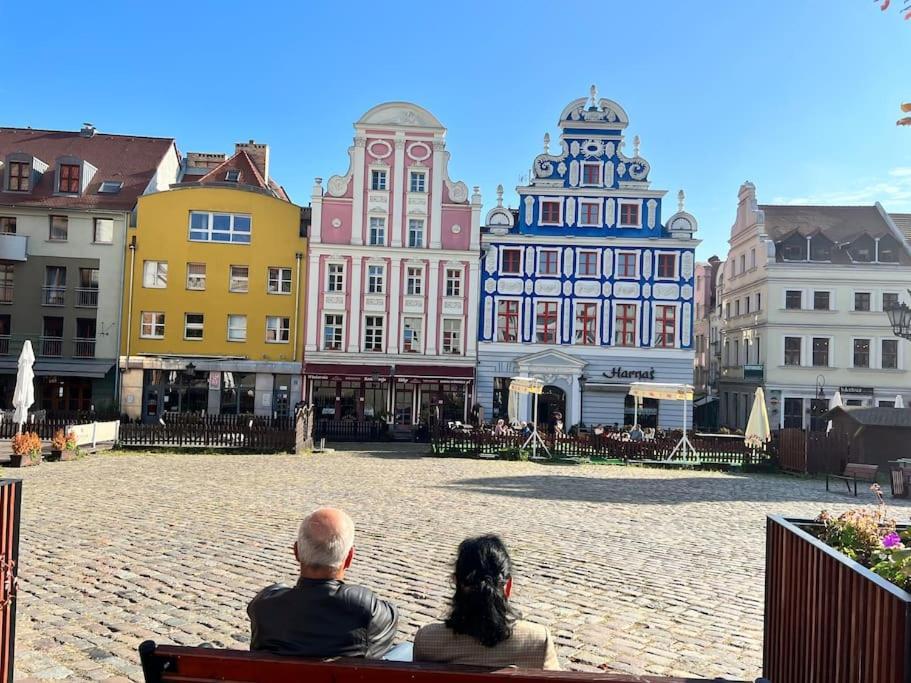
column 620, row 204
column 203, row 278
column 411, row 178
column 538, row 270
column 234, row 236
column 344, row 274
column 654, row 313
column 459, row 279
column 899, row 356
column 874, row 355
column 520, row 319
column 596, row 164
column 156, row 274
column 881, row 294
column 676, row 275
column 154, row 325
column 638, row 339
column 341, row 327
column 423, row 233
column 187, row 326
column 831, row 359
column 784, row 299
column 521, row 251
column 598, row 308
column 803, row 350
column 95, row 224
column 636, row 275
column 597, row 202
column 382, row 319
column 416, row 277
column 381, row 276
column 419, row 347
column 233, row 317
column 812, row 302
column 457, row 349
column 370, row 227
column 231, row 279
column 282, row 270
column 558, row 200
column 854, row 293
column 385, row 172
column 579, row 274
column 283, row 329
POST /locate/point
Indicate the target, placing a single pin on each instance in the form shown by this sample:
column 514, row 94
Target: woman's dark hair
column 479, row 607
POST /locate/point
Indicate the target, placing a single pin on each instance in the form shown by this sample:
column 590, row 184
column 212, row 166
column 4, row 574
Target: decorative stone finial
column 594, row 95
column 499, row 195
column 635, row 145
column 547, row 143
column 681, row 200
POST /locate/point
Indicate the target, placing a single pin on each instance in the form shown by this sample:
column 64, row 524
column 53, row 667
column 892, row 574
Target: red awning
column 435, row 371
column 339, row 369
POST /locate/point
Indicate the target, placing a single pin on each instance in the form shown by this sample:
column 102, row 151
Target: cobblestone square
column 632, row 569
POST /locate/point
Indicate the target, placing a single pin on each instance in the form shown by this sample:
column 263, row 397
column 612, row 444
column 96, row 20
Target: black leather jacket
column 321, row 618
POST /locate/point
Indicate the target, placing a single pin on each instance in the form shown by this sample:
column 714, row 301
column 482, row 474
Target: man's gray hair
column 325, row 538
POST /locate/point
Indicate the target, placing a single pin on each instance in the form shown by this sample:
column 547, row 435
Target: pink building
column 393, row 272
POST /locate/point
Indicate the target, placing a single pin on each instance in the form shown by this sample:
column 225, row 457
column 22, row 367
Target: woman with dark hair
column 482, row 628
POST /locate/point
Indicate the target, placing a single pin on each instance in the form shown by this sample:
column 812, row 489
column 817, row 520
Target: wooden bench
column 855, row 472
column 178, row 664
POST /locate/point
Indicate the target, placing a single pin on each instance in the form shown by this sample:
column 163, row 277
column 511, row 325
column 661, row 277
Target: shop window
column 648, row 411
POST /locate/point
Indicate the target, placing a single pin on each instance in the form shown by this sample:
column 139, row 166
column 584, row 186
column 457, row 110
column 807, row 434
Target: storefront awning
column 672, row 392
column 435, row 371
column 341, row 370
column 95, row 369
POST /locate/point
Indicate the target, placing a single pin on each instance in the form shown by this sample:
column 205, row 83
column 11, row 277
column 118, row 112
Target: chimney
column 88, row 130
column 258, row 153
column 204, row 159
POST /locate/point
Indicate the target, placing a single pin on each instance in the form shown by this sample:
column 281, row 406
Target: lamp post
column 900, row 319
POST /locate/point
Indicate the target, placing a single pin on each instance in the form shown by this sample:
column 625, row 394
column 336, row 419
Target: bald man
column 322, row 616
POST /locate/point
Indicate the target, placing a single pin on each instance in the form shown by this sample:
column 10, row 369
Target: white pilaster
column 433, row 297
column 476, row 219
column 316, row 204
column 357, row 202
column 436, row 193
column 313, row 292
column 573, row 404
column 472, row 299
column 399, row 190
column 395, row 289
column 354, row 311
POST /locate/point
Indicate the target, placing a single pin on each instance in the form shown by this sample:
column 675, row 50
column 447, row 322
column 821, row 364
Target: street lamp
column 900, row 319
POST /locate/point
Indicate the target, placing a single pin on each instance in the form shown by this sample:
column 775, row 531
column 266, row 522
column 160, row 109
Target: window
column 104, row 231
column 377, row 180
column 590, row 213
column 59, row 228
column 861, row 301
column 240, row 279
column 507, row 320
column 192, row 326
column 820, row 301
column 7, row 225
column 629, row 214
column 792, row 350
column 591, row 173
column 414, row 281
column 87, row 292
column 376, row 276
column 793, row 299
column 586, row 323
column 110, row 187
column 863, row 249
column 752, row 258
column 279, row 281
column 152, row 325
column 820, row 248
column 627, row 264
column 667, row 266
column 220, row 227
column 332, row 332
column 54, row 285
column 889, row 354
column 196, row 276
column 453, row 282
column 861, row 353
column 411, row 335
column 373, row 333
column 746, row 304
column 377, row 231
column 625, row 325
column 727, row 309
column 155, row 274
column 548, row 262
column 737, row 307
column 418, row 182
column 69, row 179
column 665, row 326
column 758, row 301
column 588, row 264
column 278, row 329
column 452, row 336
column 7, row 271
column 743, row 263
column 546, row 322
column 550, row 213
column 20, row 173
column 887, row 250
column 336, row 273
column 232, row 175
column 820, row 352
column 237, row 327
column 794, row 248
column 512, row 261
column 890, row 300
column 415, row 232
column 736, row 352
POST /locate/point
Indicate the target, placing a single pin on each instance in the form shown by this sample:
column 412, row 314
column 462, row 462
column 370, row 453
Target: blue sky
column 799, row 96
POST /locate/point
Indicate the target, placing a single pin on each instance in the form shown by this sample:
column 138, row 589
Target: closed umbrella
column 758, row 431
column 899, row 401
column 834, row 402
column 24, row 395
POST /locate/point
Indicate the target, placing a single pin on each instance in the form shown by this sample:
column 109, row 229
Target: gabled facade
column 66, row 201
column 214, row 291
column 585, row 286
column 393, row 278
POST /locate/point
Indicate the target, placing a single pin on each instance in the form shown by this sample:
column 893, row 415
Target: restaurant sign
column 622, row 373
column 865, row 391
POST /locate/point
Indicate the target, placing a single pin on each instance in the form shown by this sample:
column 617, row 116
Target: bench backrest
column 855, row 469
column 173, row 664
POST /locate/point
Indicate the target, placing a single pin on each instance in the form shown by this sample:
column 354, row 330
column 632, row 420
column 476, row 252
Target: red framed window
column 665, row 326
column 588, row 264
column 591, row 174
column 626, row 264
column 625, row 334
column 508, row 321
column 586, row 323
column 591, row 213
column 548, row 261
column 69, row 178
column 629, row 214
column 667, row 265
column 512, row 261
column 550, row 212
column 546, row 322
column 19, row 175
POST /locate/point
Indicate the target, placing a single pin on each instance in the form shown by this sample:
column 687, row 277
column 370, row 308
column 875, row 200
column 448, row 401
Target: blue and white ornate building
column 585, row 287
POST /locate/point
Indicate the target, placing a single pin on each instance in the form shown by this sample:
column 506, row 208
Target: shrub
column 27, row 443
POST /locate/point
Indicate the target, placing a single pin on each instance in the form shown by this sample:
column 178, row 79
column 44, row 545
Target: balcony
column 51, row 347
column 87, row 297
column 53, row 296
column 83, row 348
column 750, row 373
column 13, row 247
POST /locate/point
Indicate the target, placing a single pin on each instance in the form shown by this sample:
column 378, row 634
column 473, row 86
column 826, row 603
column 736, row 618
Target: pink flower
column 891, row 540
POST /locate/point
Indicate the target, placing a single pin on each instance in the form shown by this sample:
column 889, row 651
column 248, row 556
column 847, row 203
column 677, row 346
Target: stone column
column 357, row 202
column 433, row 295
column 398, row 190
column 436, row 195
column 354, row 309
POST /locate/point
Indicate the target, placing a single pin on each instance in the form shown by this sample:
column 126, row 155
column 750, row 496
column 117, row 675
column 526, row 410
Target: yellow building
column 212, row 293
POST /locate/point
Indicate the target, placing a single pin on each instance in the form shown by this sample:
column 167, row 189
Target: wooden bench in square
column 855, row 472
column 178, row 664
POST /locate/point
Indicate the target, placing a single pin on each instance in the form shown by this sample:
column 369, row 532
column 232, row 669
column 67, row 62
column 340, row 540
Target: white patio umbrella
column 758, row 431
column 899, row 401
column 834, row 402
column 24, row 395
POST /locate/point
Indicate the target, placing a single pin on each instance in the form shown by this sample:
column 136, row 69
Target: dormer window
column 110, row 187
column 68, row 182
column 232, row 176
column 887, row 250
column 20, row 174
column 820, row 248
column 794, row 248
column 862, row 250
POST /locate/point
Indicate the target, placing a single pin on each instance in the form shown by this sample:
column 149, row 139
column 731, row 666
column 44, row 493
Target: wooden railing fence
column 214, row 431
column 10, row 502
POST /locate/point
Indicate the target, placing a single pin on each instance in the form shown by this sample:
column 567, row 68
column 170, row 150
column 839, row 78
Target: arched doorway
column 552, row 400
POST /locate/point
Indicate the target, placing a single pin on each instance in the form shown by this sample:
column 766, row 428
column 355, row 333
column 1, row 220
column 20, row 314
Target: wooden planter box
column 60, row 456
column 827, row 618
column 16, row 460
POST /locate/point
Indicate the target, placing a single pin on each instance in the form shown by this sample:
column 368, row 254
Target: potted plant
column 26, row 450
column 63, row 446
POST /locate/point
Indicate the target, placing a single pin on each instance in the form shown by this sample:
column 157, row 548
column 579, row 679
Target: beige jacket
column 529, row 647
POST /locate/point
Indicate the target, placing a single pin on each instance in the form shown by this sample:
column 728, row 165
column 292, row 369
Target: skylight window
column 233, row 175
column 110, row 187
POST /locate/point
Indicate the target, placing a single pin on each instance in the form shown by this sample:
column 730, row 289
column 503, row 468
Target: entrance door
column 793, row 413
column 552, row 400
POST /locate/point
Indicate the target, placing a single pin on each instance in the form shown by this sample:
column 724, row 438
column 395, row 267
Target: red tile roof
column 248, row 175
column 132, row 160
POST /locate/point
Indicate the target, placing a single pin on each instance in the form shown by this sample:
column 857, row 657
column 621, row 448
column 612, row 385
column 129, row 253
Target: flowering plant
column 63, row 441
column 27, row 443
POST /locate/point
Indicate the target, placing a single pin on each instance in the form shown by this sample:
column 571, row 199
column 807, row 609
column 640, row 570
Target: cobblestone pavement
column 633, row 569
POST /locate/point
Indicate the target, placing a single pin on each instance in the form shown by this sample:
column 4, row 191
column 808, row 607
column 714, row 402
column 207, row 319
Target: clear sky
column 799, row 96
